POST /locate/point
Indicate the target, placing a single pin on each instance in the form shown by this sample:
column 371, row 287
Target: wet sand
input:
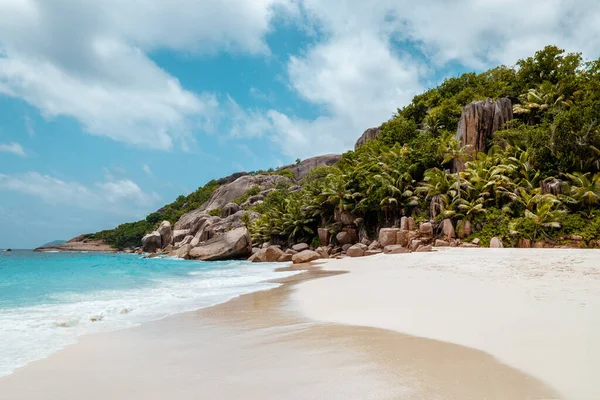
column 260, row 346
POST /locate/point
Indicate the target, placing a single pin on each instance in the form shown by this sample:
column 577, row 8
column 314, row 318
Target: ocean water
column 48, row 300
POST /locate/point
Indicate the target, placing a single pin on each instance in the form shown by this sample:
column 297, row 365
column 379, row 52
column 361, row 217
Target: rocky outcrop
column 179, row 235
column 166, row 233
column 229, row 209
column 367, row 136
column 478, row 123
column 301, row 169
column 151, row 242
column 79, row 243
column 231, row 245
column 227, row 193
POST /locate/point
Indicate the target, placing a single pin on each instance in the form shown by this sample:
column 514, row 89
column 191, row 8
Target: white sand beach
column 453, row 324
column 534, row 309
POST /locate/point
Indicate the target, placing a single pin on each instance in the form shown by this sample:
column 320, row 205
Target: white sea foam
column 31, row 333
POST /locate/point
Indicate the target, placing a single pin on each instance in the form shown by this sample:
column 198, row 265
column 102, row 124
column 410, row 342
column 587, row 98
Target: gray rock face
column 253, row 200
column 233, row 244
column 180, row 234
column 229, row 209
column 151, row 242
column 231, row 191
column 166, row 234
column 301, row 169
column 204, row 233
column 478, row 123
column 232, row 222
column 367, row 136
column 192, row 220
column 183, row 251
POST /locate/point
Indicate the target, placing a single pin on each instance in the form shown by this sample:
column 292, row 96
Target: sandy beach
column 453, row 324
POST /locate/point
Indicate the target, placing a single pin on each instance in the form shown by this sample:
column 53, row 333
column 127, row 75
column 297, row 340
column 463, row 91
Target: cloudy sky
column 110, row 109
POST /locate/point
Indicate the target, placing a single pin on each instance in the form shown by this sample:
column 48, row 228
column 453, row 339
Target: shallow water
column 47, row 300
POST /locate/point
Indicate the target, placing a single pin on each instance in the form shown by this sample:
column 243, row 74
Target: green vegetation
column 539, row 180
column 555, row 135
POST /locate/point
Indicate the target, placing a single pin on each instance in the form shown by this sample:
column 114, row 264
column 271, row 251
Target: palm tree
column 432, row 124
column 541, row 99
column 546, row 215
column 584, row 190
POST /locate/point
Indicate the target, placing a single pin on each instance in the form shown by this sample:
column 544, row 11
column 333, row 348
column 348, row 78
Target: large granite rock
column 180, row 234
column 301, row 169
column 367, row 136
column 204, row 233
column 305, row 256
column 478, row 123
column 166, row 233
column 387, row 236
column 151, row 242
column 270, row 254
column 231, row 191
column 192, row 220
column 229, row 209
column 233, row 244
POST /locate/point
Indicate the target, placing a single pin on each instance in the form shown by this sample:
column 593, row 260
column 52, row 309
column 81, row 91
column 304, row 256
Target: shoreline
column 267, row 335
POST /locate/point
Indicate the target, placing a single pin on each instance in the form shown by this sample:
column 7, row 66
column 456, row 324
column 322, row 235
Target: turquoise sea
column 47, row 300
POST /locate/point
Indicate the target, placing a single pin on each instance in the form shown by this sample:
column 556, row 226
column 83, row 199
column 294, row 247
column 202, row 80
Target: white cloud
column 13, row 147
column 146, row 169
column 29, row 126
column 121, row 197
column 88, row 60
column 357, row 81
column 358, row 74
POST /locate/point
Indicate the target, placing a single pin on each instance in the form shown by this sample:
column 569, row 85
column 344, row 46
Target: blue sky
column 110, row 109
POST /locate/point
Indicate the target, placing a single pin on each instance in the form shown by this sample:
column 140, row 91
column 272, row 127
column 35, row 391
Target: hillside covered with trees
column 538, row 178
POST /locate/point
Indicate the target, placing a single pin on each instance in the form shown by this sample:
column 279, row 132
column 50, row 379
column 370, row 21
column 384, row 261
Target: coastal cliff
column 505, row 158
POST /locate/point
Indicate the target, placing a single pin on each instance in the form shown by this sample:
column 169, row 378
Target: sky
column 110, row 109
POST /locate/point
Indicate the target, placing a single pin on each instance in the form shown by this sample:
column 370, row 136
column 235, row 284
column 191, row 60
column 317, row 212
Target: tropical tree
column 584, row 190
